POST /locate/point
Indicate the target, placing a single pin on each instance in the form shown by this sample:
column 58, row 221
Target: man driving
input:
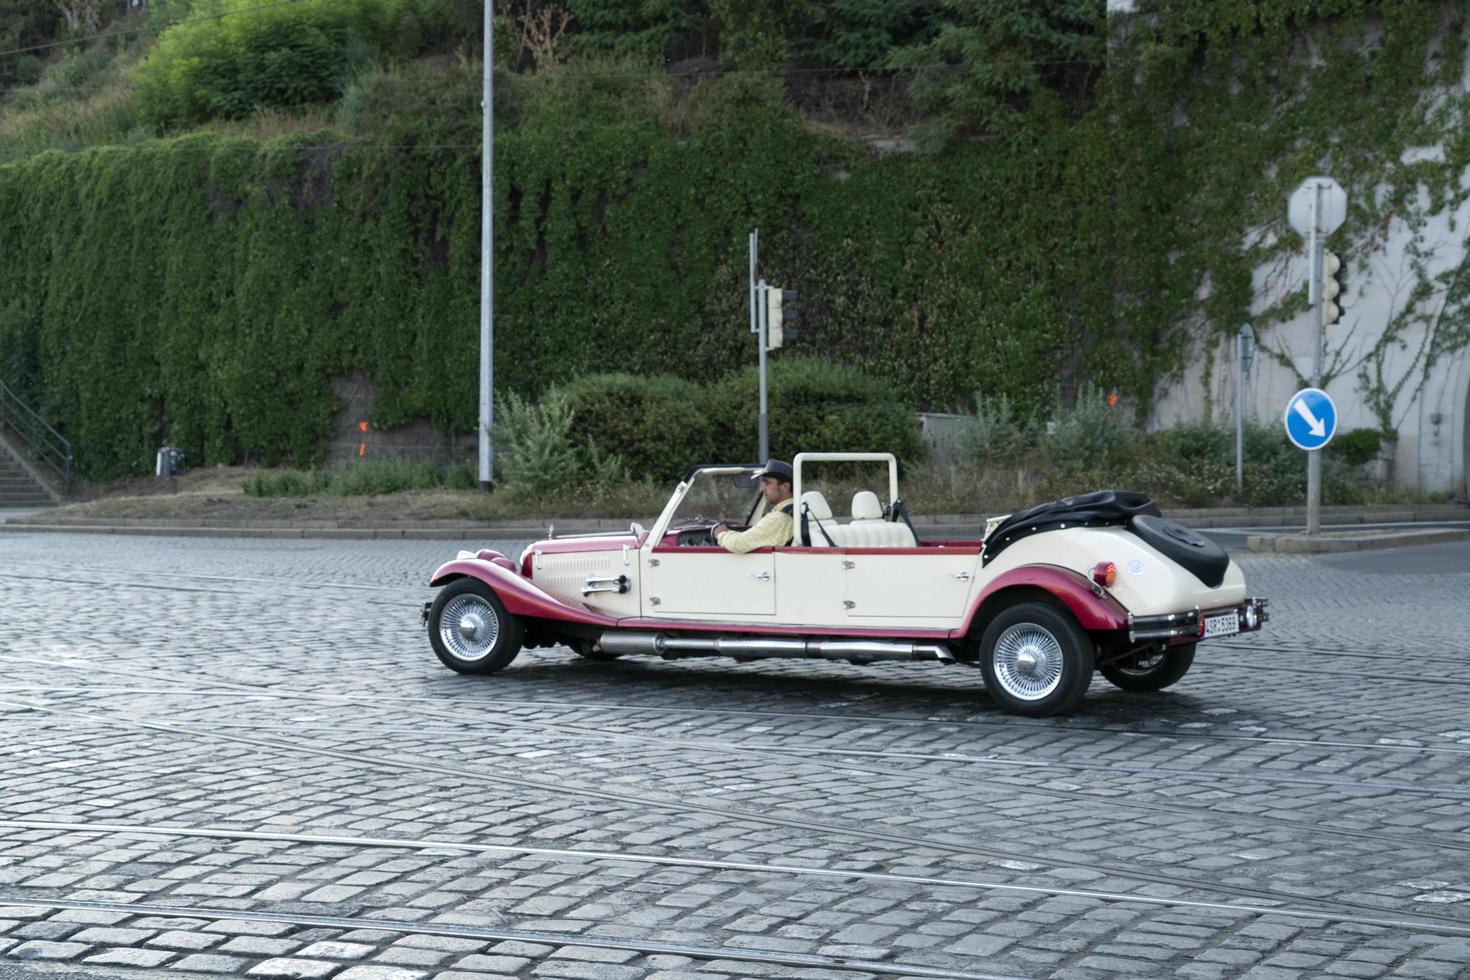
column 772, row 530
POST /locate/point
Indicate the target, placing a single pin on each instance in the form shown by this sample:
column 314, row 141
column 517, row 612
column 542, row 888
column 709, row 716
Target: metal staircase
column 35, row 460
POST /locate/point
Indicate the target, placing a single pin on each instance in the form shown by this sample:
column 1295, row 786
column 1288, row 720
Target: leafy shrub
column 538, row 457
column 1088, row 437
column 278, row 56
column 1001, row 434
column 27, row 70
column 657, row 425
column 1358, row 446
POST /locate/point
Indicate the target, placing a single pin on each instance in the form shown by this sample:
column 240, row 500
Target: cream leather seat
column 814, row 507
column 868, row 528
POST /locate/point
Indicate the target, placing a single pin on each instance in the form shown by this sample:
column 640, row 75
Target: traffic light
column 781, row 313
column 1334, row 284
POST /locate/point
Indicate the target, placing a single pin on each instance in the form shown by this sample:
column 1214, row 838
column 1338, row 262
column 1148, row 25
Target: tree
column 83, row 17
column 992, row 61
column 24, row 24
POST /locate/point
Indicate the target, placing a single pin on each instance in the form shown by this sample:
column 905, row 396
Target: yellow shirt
column 771, row 531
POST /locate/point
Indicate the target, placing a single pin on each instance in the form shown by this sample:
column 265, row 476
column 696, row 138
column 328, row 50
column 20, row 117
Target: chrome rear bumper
column 1253, row 613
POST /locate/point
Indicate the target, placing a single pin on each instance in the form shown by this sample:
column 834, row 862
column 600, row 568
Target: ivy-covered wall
column 207, row 288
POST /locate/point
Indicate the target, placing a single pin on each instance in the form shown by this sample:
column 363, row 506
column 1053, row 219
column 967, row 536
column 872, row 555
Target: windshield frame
column 692, row 479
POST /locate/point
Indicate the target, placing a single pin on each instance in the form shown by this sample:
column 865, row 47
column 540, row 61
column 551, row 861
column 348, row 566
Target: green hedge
column 659, row 425
column 662, row 425
column 206, row 289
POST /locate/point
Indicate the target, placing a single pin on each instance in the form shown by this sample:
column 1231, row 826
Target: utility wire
column 148, row 27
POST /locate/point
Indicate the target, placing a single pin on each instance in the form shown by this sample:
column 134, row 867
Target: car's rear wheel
column 470, row 630
column 1036, row 659
column 1149, row 670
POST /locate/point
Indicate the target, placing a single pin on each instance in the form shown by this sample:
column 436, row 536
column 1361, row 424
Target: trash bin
column 170, row 463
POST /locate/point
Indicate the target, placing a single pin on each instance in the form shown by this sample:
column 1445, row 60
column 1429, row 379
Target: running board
column 754, row 648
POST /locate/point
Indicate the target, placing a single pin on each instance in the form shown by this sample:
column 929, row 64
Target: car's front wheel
column 1036, row 659
column 470, row 630
column 1149, row 670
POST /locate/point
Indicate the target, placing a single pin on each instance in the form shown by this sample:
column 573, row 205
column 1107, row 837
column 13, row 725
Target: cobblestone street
column 241, row 758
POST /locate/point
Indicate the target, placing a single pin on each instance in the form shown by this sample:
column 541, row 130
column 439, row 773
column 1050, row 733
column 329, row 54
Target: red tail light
column 1105, row 573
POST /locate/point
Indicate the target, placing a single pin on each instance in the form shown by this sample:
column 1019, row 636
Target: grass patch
column 368, row 478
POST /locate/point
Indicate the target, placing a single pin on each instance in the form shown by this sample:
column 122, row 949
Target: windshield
column 731, row 494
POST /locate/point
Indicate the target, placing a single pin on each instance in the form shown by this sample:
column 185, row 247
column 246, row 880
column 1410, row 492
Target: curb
column 1301, row 544
column 932, row 526
column 354, row 533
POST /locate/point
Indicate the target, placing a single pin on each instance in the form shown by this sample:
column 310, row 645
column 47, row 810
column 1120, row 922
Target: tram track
column 1435, row 925
column 786, row 752
column 642, row 946
column 1010, row 723
column 1217, row 664
column 131, row 579
column 957, row 758
column 1337, row 651
column 562, row 788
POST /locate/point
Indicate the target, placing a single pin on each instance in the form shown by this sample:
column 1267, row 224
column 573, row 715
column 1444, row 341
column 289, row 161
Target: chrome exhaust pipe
column 749, row 648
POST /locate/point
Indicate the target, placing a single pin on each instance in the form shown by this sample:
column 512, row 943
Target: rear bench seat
column 867, row 530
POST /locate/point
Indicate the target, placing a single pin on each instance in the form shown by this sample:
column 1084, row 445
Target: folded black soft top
column 1099, row 509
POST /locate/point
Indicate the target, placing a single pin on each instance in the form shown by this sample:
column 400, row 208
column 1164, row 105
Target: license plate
column 1225, row 624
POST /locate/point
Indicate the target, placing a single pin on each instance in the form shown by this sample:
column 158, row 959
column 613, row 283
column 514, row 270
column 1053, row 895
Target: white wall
column 1431, row 419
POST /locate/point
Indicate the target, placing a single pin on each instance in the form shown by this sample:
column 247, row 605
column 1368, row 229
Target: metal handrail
column 44, row 443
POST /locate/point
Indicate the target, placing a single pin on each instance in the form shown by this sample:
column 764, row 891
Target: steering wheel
column 710, row 538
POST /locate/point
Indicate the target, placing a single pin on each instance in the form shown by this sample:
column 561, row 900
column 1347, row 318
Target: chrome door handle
column 962, row 576
column 761, row 576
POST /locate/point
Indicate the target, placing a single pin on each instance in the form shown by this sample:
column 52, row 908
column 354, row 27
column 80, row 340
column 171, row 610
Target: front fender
column 520, row 596
column 1071, row 589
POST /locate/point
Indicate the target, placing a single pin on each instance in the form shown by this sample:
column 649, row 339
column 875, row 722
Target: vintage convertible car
column 1094, row 582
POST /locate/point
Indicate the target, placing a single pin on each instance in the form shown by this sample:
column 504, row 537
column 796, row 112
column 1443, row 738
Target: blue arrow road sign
column 1311, row 418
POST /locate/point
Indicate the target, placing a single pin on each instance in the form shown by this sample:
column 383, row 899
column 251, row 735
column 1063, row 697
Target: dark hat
column 778, row 469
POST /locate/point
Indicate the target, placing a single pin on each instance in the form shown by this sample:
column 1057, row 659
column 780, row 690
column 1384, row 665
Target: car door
column 708, row 583
column 930, row 586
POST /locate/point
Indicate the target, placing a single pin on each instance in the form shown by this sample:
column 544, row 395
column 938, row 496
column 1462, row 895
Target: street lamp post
column 487, row 255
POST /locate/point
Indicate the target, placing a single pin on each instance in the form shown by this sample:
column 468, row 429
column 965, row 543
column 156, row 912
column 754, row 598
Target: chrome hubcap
column 1028, row 662
column 469, row 627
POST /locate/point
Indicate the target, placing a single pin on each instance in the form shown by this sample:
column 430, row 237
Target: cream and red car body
column 643, row 592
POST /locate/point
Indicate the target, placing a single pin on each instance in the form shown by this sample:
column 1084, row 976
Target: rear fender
column 1071, row 589
column 520, row 596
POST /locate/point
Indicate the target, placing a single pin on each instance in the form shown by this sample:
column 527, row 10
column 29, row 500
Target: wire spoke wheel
column 1036, row 659
column 469, row 627
column 471, row 631
column 1028, row 661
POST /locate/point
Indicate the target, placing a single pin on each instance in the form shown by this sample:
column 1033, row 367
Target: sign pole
column 765, row 439
column 758, row 327
column 1244, row 343
column 1314, row 457
column 1317, row 208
